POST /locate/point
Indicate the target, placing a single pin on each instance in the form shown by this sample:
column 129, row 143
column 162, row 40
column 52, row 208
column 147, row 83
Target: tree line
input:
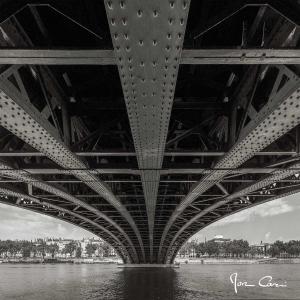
column 27, row 249
column 290, row 248
column 240, row 248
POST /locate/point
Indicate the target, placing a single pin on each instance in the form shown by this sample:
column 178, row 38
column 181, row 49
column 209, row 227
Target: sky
column 22, row 224
column 275, row 220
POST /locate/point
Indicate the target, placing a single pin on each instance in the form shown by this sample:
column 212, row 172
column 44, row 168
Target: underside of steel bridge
column 145, row 121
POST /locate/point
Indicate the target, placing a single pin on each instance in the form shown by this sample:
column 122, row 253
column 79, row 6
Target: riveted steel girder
column 113, row 153
column 274, row 177
column 121, row 247
column 188, row 57
column 21, row 118
column 148, row 38
column 278, row 116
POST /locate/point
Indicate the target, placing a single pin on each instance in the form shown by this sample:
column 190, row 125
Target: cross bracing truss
column 148, row 121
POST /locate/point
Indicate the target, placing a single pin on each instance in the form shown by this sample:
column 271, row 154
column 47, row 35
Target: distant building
column 219, row 239
column 97, row 242
column 61, row 245
column 262, row 248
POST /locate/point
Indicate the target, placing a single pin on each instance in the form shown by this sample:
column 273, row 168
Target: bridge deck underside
column 144, row 122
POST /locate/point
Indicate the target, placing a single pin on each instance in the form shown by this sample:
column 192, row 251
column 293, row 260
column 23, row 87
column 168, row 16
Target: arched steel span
column 106, row 234
column 6, row 170
column 281, row 113
column 41, row 135
column 182, row 238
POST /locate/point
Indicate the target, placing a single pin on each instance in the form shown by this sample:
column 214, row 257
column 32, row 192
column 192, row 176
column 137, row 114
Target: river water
column 40, row 282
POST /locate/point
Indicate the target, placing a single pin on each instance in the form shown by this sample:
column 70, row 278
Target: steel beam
column 182, row 171
column 280, row 114
column 240, row 57
column 56, row 57
column 22, row 119
column 148, row 66
column 21, row 196
column 114, row 153
column 125, row 181
column 188, row 57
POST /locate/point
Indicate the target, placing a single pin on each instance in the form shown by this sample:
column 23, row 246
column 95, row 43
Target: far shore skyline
column 97, row 238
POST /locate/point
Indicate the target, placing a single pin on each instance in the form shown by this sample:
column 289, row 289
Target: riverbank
column 58, row 261
column 182, row 261
column 238, row 261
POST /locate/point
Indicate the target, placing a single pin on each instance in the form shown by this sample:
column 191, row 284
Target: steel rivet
column 109, row 4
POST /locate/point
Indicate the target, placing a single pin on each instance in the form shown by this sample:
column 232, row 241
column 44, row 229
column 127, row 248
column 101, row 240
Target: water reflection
column 149, row 283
